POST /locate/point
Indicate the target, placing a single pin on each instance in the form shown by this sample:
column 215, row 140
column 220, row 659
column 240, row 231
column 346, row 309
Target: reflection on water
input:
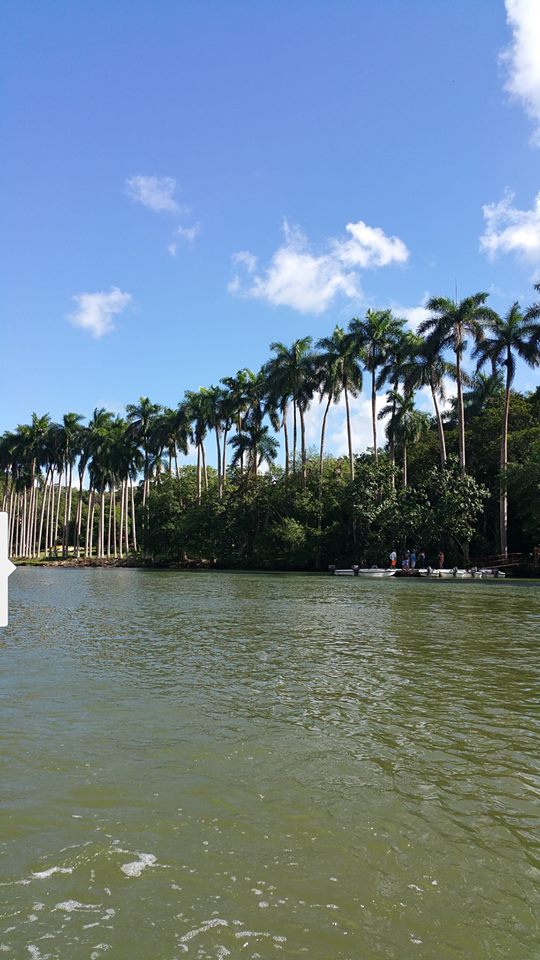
column 240, row 765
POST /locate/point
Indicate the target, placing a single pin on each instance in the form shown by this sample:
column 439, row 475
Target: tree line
column 87, row 490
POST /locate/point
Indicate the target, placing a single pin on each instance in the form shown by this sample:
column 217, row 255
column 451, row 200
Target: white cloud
column 509, row 230
column 186, row 234
column 369, row 247
column 96, row 310
column 156, row 193
column 189, row 233
column 245, row 258
column 309, row 282
column 413, row 316
column 522, row 58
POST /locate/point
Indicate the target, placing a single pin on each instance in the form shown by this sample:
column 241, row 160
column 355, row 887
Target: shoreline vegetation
column 523, row 571
column 465, row 479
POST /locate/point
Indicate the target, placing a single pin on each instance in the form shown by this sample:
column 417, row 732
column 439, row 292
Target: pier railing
column 500, row 560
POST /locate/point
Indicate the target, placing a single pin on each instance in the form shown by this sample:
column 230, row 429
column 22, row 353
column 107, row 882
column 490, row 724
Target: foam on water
column 44, row 874
column 68, row 906
column 136, row 867
column 207, row 925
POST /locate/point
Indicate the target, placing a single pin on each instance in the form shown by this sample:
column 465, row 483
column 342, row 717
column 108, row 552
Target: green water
column 238, row 765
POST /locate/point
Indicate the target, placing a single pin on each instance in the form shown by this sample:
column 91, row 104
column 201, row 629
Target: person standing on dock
column 440, row 560
column 393, row 558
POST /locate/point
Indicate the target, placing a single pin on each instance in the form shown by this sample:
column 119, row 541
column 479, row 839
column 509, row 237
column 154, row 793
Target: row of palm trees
column 114, row 455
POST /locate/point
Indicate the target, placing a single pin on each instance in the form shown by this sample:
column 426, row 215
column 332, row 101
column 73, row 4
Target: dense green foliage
column 464, row 480
column 271, row 524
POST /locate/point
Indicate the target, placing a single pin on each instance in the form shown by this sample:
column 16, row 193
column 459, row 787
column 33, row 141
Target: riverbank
column 73, row 563
column 523, row 572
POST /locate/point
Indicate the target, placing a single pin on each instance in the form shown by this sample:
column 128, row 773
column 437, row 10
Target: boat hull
column 451, row 574
column 368, row 574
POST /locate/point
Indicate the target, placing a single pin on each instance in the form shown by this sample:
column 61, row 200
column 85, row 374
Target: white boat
column 451, row 573
column 490, row 573
column 364, row 572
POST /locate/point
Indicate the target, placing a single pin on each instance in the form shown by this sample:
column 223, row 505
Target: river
column 220, row 765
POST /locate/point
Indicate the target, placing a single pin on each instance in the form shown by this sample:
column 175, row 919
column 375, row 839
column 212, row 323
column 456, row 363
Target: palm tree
column 98, row 442
column 290, row 375
column 30, row 450
column 402, row 346
column 517, row 335
column 256, row 444
column 483, row 387
column 142, row 417
column 278, row 393
column 198, row 413
column 372, row 338
column 84, row 456
column 216, row 400
column 428, row 368
column 406, row 423
column 339, row 373
column 70, row 434
column 452, row 320
column 238, row 398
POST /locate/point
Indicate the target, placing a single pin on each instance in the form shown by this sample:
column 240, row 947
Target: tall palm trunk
column 295, row 431
column 303, row 443
column 115, row 542
column 218, row 453
column 22, row 545
column 109, row 530
column 392, row 438
column 461, row 411
column 503, row 501
column 67, row 509
column 78, row 522
column 374, row 415
column 134, row 530
column 198, row 473
column 121, row 527
column 224, row 458
column 101, row 528
column 14, row 517
column 33, row 511
column 323, row 431
column 440, row 426
column 285, row 439
column 89, row 524
column 405, row 474
column 44, row 498
column 205, row 470
column 238, row 431
column 349, row 434
column 92, row 516
column 15, row 530
column 57, row 513
column 50, row 495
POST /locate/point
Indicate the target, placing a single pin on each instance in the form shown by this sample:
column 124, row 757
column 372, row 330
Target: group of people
column 413, row 559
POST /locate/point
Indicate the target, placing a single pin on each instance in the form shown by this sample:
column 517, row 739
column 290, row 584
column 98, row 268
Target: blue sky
column 184, row 182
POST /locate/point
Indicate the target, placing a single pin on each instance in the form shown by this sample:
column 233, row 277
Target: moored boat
column 449, row 573
column 364, row 572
